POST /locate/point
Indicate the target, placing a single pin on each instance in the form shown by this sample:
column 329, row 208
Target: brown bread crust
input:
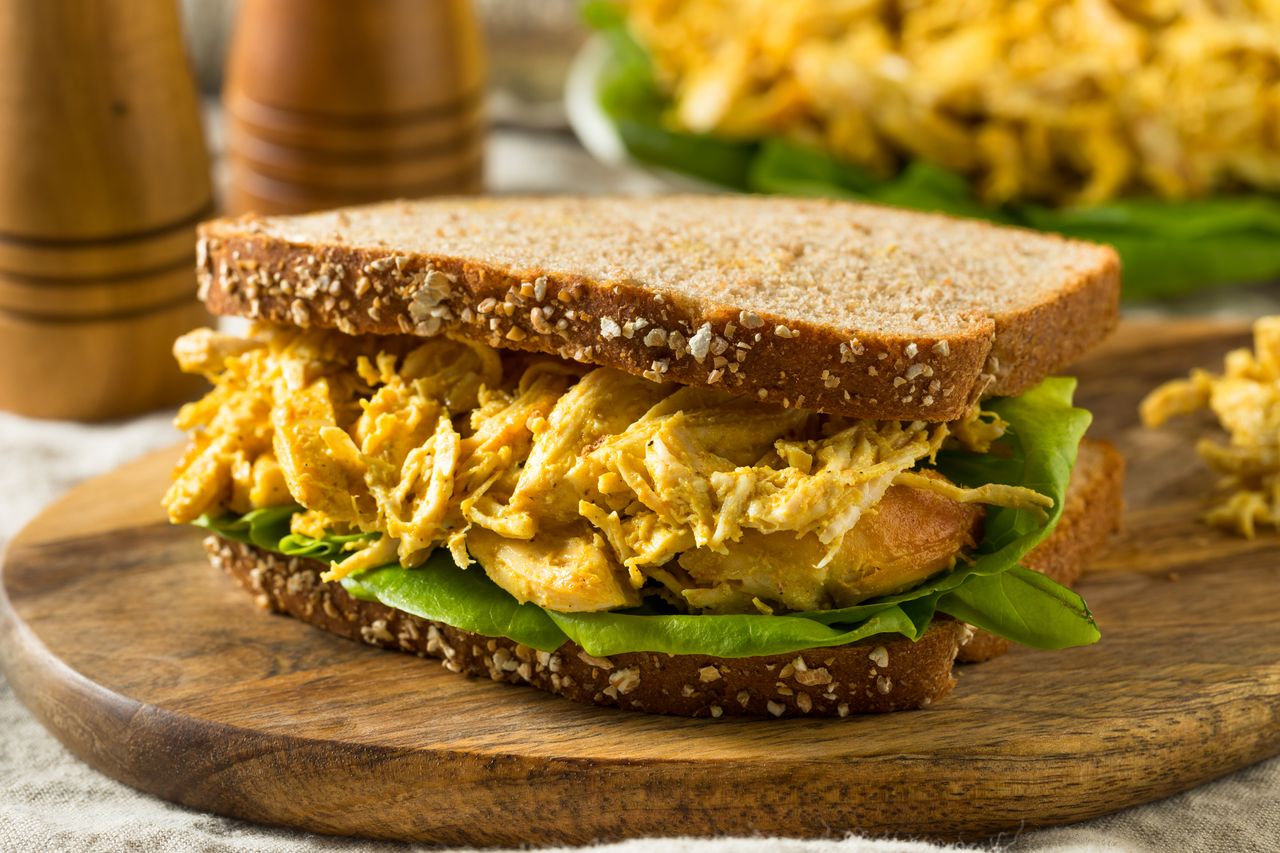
column 877, row 675
column 1094, row 505
column 309, row 271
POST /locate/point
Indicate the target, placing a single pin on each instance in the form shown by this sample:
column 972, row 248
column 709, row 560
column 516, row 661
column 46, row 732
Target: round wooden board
column 155, row 669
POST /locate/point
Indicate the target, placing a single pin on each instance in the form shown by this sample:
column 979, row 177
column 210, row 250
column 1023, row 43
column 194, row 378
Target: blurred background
column 1151, row 125
column 530, row 48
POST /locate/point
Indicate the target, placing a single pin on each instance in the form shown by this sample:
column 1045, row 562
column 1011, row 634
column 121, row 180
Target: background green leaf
column 635, row 104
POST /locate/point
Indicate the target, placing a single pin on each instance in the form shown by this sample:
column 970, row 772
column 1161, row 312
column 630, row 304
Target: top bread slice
column 854, row 309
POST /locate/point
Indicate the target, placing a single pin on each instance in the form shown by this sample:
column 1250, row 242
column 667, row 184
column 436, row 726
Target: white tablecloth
column 50, row 802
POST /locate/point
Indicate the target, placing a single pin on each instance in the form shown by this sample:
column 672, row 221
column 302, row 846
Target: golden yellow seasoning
column 1068, row 101
column 1246, row 400
column 571, row 486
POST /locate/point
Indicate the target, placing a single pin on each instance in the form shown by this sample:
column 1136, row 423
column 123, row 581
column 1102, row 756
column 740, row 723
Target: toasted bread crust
column 1095, row 502
column 877, row 675
column 261, row 268
column 1032, row 344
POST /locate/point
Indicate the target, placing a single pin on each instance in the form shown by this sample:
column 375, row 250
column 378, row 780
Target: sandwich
column 698, row 455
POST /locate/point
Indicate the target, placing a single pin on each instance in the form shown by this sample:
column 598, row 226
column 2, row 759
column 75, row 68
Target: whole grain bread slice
column 834, row 306
column 886, row 673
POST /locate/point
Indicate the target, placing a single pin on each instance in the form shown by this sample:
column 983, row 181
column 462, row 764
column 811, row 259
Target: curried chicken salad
column 428, row 470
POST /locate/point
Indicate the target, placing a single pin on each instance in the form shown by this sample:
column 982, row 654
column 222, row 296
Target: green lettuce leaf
column 1023, row 606
column 264, row 528
column 732, row 636
column 269, row 528
column 991, row 590
column 1167, row 247
column 331, row 547
column 464, row 598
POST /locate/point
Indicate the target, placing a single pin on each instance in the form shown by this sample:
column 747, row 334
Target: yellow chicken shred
column 572, row 487
column 1067, row 101
column 1246, row 401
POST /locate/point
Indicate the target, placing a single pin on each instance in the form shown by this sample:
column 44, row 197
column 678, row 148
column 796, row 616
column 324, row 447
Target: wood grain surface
column 155, row 669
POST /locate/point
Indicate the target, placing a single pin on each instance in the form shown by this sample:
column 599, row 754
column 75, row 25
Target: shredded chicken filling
column 1246, row 401
column 573, row 487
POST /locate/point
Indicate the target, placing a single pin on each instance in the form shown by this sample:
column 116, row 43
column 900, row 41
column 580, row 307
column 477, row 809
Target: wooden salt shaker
column 106, row 176
column 335, row 102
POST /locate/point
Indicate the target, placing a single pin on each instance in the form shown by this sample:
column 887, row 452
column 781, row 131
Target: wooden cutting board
column 152, row 667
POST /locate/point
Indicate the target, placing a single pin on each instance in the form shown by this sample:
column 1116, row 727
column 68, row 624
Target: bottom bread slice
column 886, row 673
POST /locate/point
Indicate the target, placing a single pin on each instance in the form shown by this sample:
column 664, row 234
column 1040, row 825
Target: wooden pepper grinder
column 335, row 102
column 105, row 177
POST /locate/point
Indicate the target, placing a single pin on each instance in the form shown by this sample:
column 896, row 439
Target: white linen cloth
column 49, row 801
